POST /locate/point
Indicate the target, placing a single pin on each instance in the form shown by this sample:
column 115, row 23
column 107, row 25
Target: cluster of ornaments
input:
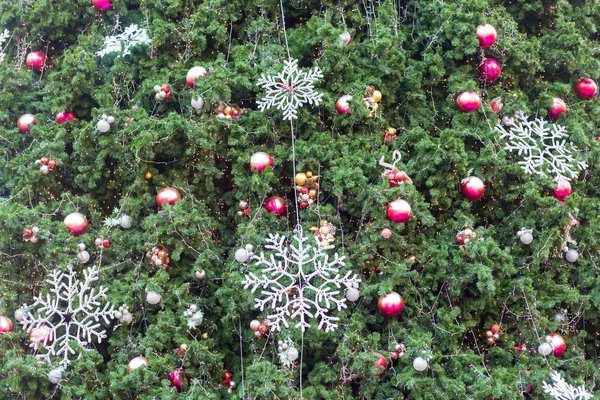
column 82, row 254
column 162, row 92
column 396, row 177
column 29, row 234
column 244, row 208
column 46, row 165
column 287, row 352
column 370, row 100
column 160, row 256
column 64, row 116
column 194, row 316
column 464, row 236
column 324, row 233
column 525, row 236
column 389, row 134
column 124, row 315
column 224, row 111
column 228, row 381
column 260, row 328
column 105, row 122
column 492, row 335
column 102, row 243
column 244, row 254
column 307, row 187
column 554, row 344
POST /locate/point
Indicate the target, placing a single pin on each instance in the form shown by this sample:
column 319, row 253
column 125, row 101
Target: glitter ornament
column 167, row 195
column 76, row 223
column 399, row 211
column 241, row 255
column 25, row 122
column 193, row 73
column 83, row 256
column 36, row 61
column 496, row 105
column 138, row 362
column 390, row 305
column 472, row 188
column 260, row 161
column 486, row 34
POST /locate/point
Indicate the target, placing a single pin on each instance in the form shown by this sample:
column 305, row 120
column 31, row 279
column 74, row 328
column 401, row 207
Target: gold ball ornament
column 301, row 178
column 148, row 175
column 376, row 96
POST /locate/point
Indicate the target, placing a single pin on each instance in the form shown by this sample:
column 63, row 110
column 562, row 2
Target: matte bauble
column 558, row 107
column 176, row 378
column 276, row 205
column 586, row 89
column 198, row 102
column 193, row 73
column 125, row 221
column 468, row 101
column 76, row 223
column 254, row 324
column 489, row 70
column 25, row 121
column 352, row 294
column 558, row 343
column 44, row 170
column 153, row 297
column 562, row 189
column 64, row 116
column 342, row 105
column 102, row 5
column 20, row 314
column 486, row 34
column 138, row 362
column 103, row 126
column 472, row 188
column 420, row 364
column 167, row 195
column 545, row 349
column 386, row 233
column 292, row 353
column 572, row 255
column 6, row 325
column 380, row 365
column 241, row 255
column 526, row 238
column 260, row 161
column 390, row 305
column 399, row 211
column 55, row 375
column 83, row 256
column 36, row 60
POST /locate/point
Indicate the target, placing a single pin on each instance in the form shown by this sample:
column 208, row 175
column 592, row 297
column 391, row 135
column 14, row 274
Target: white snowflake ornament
column 290, row 89
column 300, row 282
column 287, row 352
column 3, row 36
column 543, row 147
column 132, row 36
column 72, row 311
column 561, row 390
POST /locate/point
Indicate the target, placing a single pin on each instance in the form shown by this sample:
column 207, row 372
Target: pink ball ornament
column 390, row 305
column 558, row 107
column 260, row 161
column 342, row 105
column 472, row 188
column 36, row 61
column 25, row 121
column 489, row 70
column 176, row 378
column 276, row 205
column 486, row 34
column 76, row 223
column 102, row 5
column 169, row 195
column 562, row 189
column 386, row 233
column 381, row 365
column 193, row 73
column 558, row 343
column 468, row 101
column 64, row 116
column 399, row 211
column 586, row 89
column 6, row 325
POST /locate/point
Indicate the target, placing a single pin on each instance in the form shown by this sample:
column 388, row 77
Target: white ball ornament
column 292, row 353
column 572, row 255
column 125, row 221
column 420, row 364
column 19, row 314
column 35, row 230
column 352, row 294
column 254, row 324
column 153, row 297
column 55, row 375
column 44, row 169
column 200, row 274
column 83, row 256
column 103, row 126
column 82, row 246
column 33, row 239
column 110, row 119
column 198, row 103
column 241, row 255
column 545, row 349
column 525, row 235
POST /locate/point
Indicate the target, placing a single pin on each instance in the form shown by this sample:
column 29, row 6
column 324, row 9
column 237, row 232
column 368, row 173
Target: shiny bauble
column 472, row 188
column 200, row 274
column 558, row 107
column 381, row 365
column 420, row 364
column 562, row 189
column 44, row 170
column 292, row 353
column 260, row 161
column 489, row 70
column 276, row 205
column 572, row 255
column 254, row 324
column 101, row 5
column 386, row 233
column 545, row 349
column 486, row 34
column 6, row 325
column 468, row 101
column 377, row 96
column 198, row 102
column 495, row 328
column 263, row 329
column 167, row 195
column 586, row 89
column 36, row 61
column 399, row 211
column 125, row 221
column 352, row 294
column 342, row 105
column 176, row 378
column 558, row 343
column 241, row 255
column 526, row 238
column 390, row 305
column 137, row 362
column 76, row 223
column 64, row 116
column 106, row 243
column 55, row 375
column 103, row 126
column 153, row 297
column 41, row 335
column 25, row 121
column 496, row 105
column 300, row 178
column 227, row 378
column 345, row 38
column 193, row 73
column 83, row 256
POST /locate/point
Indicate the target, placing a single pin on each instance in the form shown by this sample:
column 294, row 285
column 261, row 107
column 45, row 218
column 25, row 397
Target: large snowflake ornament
column 131, row 36
column 70, row 312
column 299, row 281
column 543, row 147
column 290, row 89
column 3, row 36
column 561, row 390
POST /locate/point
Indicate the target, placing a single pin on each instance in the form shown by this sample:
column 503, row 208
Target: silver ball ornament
column 526, row 237
column 241, row 255
column 125, row 221
column 103, row 126
column 420, row 364
column 352, row 294
column 153, row 297
column 572, row 255
column 292, row 353
column 545, row 349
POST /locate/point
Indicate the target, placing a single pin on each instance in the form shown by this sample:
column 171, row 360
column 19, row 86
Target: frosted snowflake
column 132, row 36
column 3, row 38
column 70, row 313
column 299, row 281
column 290, row 89
column 561, row 390
column 543, row 147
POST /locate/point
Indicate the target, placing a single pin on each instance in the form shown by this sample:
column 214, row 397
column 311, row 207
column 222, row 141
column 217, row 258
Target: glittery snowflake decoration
column 132, row 36
column 561, row 390
column 5, row 35
column 543, row 147
column 287, row 352
column 299, row 281
column 194, row 316
column 290, row 89
column 70, row 312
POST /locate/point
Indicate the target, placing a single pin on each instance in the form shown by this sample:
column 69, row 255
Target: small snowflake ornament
column 194, row 316
column 543, row 147
column 561, row 390
column 300, row 281
column 290, row 89
column 287, row 352
column 72, row 311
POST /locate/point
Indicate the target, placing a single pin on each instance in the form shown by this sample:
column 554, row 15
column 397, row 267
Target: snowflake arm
column 5, row 35
column 561, row 390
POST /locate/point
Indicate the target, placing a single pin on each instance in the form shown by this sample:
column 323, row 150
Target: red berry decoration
column 260, row 161
column 562, row 189
column 25, row 122
column 472, row 188
column 76, row 223
column 558, row 343
column 558, row 107
column 489, row 70
column 486, row 34
column 586, row 89
column 399, row 211
column 102, row 5
column 169, row 195
column 6, row 325
column 390, row 305
column 468, row 101
column 36, row 60
column 276, row 205
column 381, row 365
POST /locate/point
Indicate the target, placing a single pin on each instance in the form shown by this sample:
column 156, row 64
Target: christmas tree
column 282, row 199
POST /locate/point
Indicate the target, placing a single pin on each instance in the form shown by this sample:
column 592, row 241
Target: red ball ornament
column 27, row 234
column 381, row 365
column 486, row 34
column 558, row 343
column 227, row 378
column 558, row 107
column 390, row 305
column 25, row 121
column 342, row 105
column 468, row 101
column 489, row 70
column 64, row 116
column 176, row 378
column 76, row 223
column 6, row 325
column 101, row 5
column 44, row 160
column 106, row 243
column 460, row 239
column 472, row 188
column 495, row 328
column 169, row 195
column 562, row 189
column 276, row 205
column 260, row 161
column 51, row 164
column 193, row 73
column 36, row 60
column 399, row 211
column 586, row 89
